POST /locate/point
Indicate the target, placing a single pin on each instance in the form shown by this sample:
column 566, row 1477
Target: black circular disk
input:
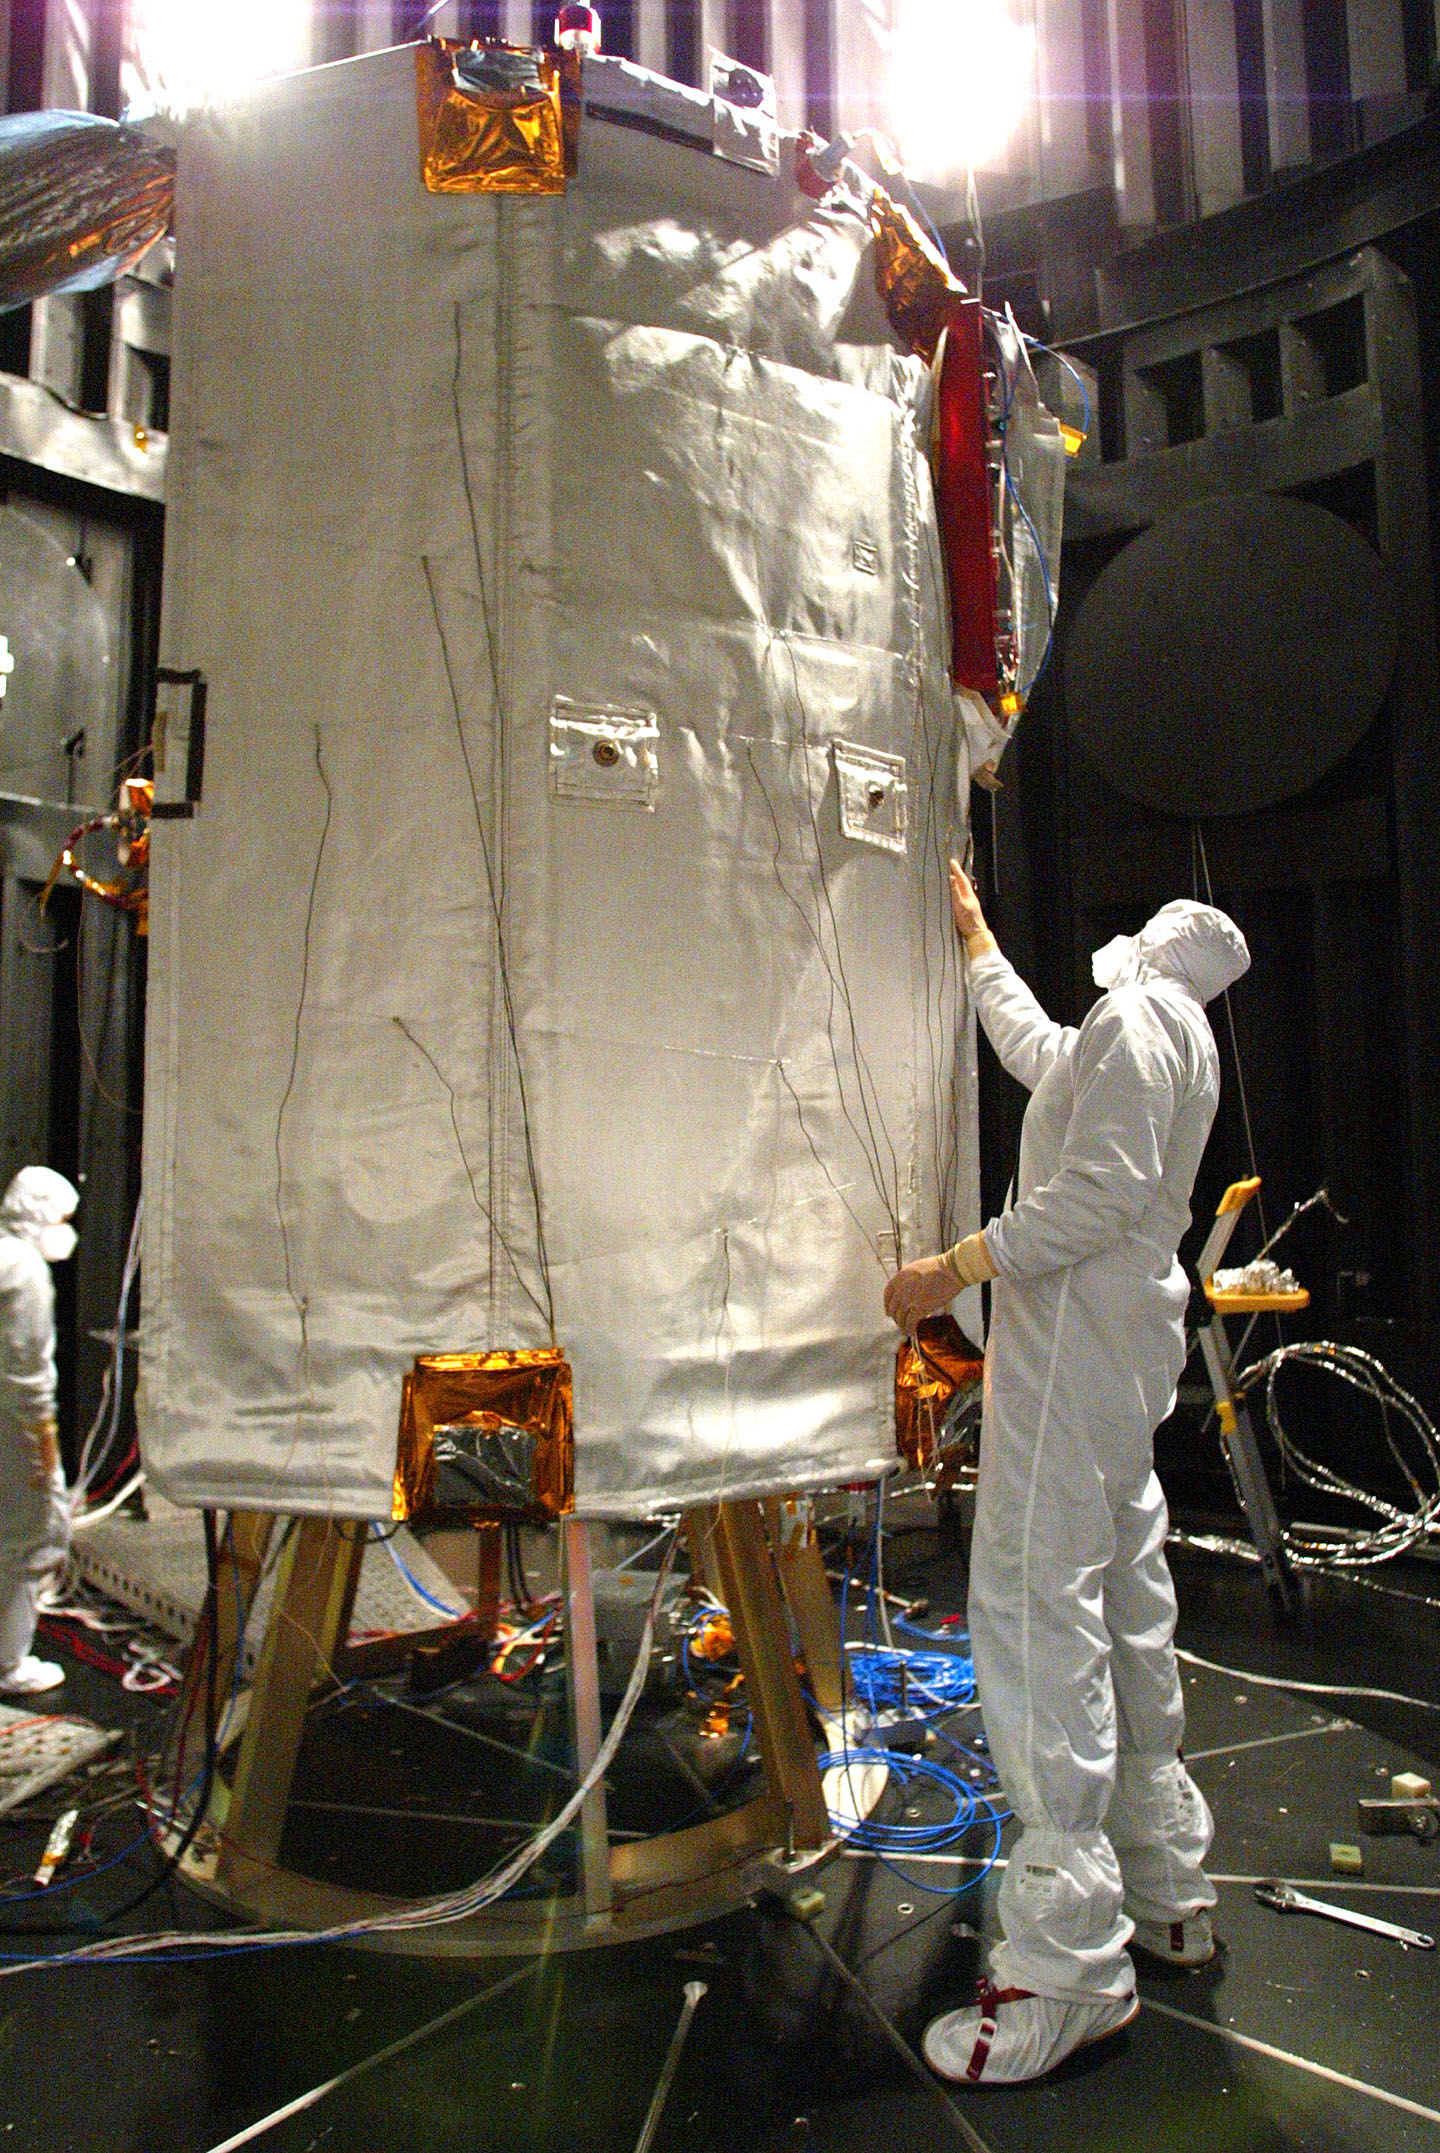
column 55, row 673
column 1231, row 655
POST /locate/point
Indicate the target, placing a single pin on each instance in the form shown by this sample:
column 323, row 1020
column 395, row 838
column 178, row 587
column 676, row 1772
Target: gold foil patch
column 487, row 1436
column 917, row 290
column 929, row 1371
column 490, row 136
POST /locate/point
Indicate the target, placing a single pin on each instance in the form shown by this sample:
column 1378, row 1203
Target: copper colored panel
column 928, row 1373
column 485, row 1437
column 481, row 140
column 918, row 291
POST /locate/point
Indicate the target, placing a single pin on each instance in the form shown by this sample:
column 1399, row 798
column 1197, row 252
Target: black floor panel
column 177, row 2059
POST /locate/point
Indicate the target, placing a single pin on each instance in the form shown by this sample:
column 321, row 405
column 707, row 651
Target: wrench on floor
column 1287, row 1900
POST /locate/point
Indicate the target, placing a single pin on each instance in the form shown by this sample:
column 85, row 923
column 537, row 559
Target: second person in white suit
column 1071, row 1609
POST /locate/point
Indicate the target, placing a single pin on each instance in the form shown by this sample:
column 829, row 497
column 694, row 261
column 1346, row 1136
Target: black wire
column 497, row 895
column 301, row 1304
column 541, row 1256
column 515, row 1567
column 824, row 957
column 1197, row 839
column 876, row 1951
column 867, row 1148
column 484, row 1210
column 862, row 1066
column 212, row 1726
column 947, row 1160
column 816, row 1154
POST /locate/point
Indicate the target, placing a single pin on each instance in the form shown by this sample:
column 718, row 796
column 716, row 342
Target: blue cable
column 36, row 1961
column 943, row 1638
column 1044, row 571
column 885, row 1678
column 387, row 1541
column 914, row 203
column 999, row 1818
column 890, row 1842
column 1002, row 428
column 1070, row 367
column 44, row 1893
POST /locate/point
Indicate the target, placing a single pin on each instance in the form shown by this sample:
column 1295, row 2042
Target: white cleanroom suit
column 1072, row 1611
column 34, row 1509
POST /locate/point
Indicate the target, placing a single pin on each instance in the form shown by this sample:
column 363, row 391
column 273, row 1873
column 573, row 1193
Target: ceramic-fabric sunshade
column 559, row 946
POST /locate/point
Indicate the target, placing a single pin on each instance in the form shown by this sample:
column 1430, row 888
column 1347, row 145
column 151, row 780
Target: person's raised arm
column 1026, row 1040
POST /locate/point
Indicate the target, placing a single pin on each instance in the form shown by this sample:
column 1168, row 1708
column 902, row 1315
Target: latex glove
column 45, row 1437
column 969, row 919
column 970, row 1261
column 923, row 1288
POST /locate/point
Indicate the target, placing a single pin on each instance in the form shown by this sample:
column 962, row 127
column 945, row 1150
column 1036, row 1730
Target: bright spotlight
column 961, row 75
column 189, row 53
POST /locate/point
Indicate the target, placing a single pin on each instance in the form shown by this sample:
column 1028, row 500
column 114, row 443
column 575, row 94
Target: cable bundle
column 1400, row 1528
column 925, row 1685
column 890, row 1840
column 96, row 1474
column 177, row 1945
column 889, row 1679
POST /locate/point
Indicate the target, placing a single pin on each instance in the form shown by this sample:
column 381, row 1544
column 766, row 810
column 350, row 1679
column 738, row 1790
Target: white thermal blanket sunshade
column 452, row 1021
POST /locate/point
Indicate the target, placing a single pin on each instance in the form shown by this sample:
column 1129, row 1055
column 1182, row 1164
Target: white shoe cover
column 1009, row 2035
column 29, row 1676
column 1189, row 1941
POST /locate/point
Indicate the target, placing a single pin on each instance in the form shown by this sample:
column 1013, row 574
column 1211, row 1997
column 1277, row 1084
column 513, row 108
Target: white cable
column 880, row 1564
column 112, row 1388
column 1308, row 1689
column 108, row 1509
column 650, row 1545
column 148, row 1670
column 1360, row 1371
column 421, row 1913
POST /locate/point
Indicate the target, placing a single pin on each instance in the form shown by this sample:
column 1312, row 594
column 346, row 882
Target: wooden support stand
column 627, row 1890
column 791, row 1524
column 314, row 1598
column 243, row 1546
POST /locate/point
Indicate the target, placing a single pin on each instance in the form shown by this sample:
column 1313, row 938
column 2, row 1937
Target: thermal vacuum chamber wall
column 562, row 930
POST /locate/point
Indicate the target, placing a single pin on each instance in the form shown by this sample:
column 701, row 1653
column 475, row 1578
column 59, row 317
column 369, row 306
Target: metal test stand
column 1237, row 1430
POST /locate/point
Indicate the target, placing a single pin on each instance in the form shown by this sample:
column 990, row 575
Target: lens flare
column 185, row 54
column 961, row 75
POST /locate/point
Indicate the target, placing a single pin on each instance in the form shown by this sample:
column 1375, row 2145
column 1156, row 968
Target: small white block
column 1409, row 1787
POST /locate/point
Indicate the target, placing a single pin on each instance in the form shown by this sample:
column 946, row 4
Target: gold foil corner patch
column 492, row 119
